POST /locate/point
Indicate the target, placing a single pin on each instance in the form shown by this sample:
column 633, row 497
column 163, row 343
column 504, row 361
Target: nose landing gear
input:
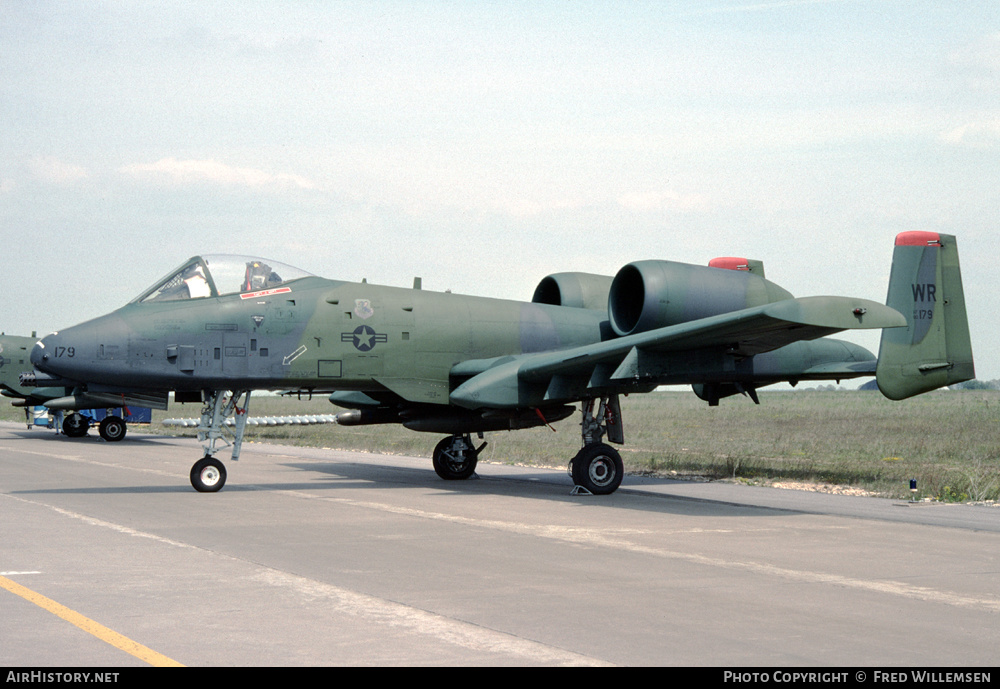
column 208, row 475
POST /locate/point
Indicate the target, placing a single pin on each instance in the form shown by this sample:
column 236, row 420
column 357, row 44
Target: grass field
column 949, row 441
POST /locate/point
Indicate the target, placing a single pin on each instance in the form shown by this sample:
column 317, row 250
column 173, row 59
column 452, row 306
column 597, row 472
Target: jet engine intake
column 646, row 295
column 576, row 290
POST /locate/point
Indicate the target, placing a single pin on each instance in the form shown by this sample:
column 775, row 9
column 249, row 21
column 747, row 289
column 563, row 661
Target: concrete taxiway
column 319, row 557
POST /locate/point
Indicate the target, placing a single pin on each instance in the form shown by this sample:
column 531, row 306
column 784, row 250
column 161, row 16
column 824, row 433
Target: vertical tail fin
column 934, row 349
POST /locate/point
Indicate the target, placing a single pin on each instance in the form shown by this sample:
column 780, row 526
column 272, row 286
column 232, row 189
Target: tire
column 454, row 462
column 598, row 468
column 75, row 426
column 208, row 475
column 112, row 429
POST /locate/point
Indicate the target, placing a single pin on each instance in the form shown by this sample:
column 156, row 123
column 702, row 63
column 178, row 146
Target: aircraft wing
column 657, row 357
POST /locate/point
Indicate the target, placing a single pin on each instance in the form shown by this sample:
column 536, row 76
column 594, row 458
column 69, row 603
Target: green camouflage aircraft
column 219, row 327
column 14, row 353
column 14, row 360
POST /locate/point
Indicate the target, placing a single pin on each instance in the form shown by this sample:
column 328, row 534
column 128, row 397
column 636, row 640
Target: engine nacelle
column 578, row 290
column 653, row 294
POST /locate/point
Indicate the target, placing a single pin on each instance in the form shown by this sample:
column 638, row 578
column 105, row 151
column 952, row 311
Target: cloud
column 186, row 172
column 662, row 201
column 985, row 134
column 983, row 53
column 762, row 6
column 56, row 171
column 980, row 61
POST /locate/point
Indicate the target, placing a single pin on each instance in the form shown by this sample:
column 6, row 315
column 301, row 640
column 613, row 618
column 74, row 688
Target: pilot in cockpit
column 259, row 276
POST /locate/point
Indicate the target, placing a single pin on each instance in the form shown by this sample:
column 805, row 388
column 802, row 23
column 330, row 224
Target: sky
column 485, row 145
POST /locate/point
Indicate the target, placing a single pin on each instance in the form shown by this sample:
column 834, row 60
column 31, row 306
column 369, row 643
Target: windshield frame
column 172, row 287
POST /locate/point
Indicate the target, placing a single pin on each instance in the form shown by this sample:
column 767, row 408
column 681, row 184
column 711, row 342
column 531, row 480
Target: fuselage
column 314, row 334
column 241, row 323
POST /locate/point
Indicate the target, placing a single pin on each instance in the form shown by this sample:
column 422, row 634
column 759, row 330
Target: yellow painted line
column 106, row 635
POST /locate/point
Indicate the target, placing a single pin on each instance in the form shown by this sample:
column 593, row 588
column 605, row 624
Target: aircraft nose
column 62, row 352
column 96, row 351
column 37, row 355
column 44, row 350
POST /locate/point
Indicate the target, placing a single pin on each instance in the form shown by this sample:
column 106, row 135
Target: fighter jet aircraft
column 219, row 327
column 14, row 361
column 14, row 353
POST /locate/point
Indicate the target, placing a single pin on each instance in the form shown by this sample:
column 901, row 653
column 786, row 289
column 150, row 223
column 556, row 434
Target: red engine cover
column 729, row 263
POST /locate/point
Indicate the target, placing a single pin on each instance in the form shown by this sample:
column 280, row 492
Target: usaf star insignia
column 364, row 338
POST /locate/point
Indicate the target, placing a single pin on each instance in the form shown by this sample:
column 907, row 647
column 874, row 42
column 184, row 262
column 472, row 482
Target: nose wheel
column 208, row 475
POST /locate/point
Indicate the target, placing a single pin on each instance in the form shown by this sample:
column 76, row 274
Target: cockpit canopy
column 214, row 275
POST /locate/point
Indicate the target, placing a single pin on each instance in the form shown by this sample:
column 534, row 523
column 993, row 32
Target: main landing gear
column 208, row 474
column 112, row 428
column 75, row 425
column 455, row 457
column 597, row 468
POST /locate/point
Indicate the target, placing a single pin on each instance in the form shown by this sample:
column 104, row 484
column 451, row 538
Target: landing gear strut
column 597, row 468
column 208, row 474
column 455, row 457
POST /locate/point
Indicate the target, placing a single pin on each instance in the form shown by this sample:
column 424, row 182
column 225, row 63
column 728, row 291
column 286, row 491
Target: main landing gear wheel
column 75, row 426
column 208, row 475
column 112, row 429
column 598, row 468
column 455, row 458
